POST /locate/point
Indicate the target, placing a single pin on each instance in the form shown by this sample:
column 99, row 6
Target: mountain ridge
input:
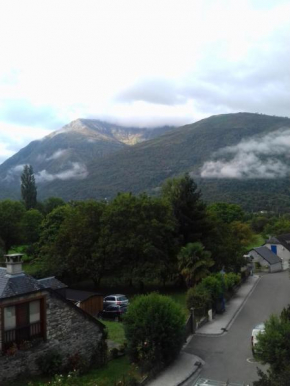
column 146, row 165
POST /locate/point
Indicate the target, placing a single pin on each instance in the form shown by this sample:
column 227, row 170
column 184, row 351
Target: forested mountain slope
column 240, row 157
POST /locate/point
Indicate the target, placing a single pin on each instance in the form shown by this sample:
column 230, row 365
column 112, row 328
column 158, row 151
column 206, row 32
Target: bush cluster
column 154, row 328
column 204, row 295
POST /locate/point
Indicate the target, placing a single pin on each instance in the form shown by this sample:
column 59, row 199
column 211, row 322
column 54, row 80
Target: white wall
column 283, row 253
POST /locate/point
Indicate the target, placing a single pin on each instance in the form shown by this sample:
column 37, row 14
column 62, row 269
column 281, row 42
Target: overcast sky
column 144, row 63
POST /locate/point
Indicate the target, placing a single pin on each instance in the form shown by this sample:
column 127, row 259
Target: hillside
column 208, row 147
column 66, row 153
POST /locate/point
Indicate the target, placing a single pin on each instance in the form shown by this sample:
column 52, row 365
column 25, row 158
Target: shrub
column 232, row 279
column 77, row 362
column 50, row 363
column 214, row 285
column 154, row 328
column 199, row 298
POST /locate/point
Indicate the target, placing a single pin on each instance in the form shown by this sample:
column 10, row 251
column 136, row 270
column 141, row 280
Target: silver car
column 115, row 299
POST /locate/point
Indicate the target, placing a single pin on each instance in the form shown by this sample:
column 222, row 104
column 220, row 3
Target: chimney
column 14, row 264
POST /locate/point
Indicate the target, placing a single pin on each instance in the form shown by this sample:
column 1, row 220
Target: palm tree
column 194, row 263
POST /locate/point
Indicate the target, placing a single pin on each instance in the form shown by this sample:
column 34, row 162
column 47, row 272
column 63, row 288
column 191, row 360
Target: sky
column 139, row 63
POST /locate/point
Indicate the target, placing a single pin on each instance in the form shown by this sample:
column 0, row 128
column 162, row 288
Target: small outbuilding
column 91, row 302
column 266, row 258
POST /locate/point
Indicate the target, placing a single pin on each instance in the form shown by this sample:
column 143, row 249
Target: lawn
column 115, row 331
column 257, row 242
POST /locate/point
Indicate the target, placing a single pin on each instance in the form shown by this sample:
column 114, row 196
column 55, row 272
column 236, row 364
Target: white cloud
column 254, row 158
column 166, row 61
column 57, row 154
column 14, row 173
column 77, row 171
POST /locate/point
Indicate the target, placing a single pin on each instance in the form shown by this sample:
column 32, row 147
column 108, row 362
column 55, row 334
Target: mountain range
column 241, row 157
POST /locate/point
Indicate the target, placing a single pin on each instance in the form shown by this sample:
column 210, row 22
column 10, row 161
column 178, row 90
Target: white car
column 259, row 329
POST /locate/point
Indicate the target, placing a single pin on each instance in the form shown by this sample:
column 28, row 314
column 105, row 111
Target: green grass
column 257, row 242
column 115, row 331
column 180, row 298
column 113, row 372
column 108, row 375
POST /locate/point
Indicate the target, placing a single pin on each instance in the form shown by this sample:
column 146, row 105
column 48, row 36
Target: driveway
column 229, row 357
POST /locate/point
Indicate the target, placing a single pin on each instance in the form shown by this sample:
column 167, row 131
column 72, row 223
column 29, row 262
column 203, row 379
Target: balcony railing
column 22, row 334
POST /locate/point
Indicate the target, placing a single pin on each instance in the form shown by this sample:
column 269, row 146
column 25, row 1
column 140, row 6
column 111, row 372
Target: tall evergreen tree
column 188, row 208
column 28, row 187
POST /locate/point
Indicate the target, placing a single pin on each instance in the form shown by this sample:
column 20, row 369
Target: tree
column 11, row 215
column 226, row 212
column 31, row 223
column 188, row 208
column 154, row 328
column 273, row 379
column 194, row 263
column 277, row 227
column 51, row 203
column 225, row 245
column 69, row 241
column 273, row 345
column 28, row 187
column 242, row 232
column 137, row 237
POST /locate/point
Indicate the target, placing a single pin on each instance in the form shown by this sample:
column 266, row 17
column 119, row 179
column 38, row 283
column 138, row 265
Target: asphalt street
column 228, row 357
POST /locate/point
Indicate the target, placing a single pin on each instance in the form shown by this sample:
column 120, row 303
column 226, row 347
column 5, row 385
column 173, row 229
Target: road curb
column 198, row 365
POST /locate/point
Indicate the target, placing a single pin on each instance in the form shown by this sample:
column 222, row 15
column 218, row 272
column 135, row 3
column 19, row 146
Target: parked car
column 115, row 299
column 113, row 312
column 259, row 329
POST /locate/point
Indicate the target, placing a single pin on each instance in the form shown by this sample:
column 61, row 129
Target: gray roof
column 76, row 295
column 273, row 240
column 12, row 285
column 52, row 282
column 268, row 255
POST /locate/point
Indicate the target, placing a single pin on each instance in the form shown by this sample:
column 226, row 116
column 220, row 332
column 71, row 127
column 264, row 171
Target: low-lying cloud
column 77, row 171
column 254, row 158
column 57, row 154
column 13, row 173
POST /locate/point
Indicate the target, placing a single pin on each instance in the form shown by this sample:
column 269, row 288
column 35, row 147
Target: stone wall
column 69, row 331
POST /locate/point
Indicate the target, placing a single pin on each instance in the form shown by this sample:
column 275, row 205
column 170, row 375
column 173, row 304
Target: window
column 9, row 318
column 22, row 322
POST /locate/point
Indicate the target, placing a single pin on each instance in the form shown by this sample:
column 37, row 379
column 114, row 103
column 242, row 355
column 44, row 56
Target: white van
column 259, row 329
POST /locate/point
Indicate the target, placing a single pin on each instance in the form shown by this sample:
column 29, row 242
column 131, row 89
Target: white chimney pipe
column 14, row 264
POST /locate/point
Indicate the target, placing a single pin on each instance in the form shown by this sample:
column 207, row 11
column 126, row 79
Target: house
column 266, row 258
column 35, row 319
column 280, row 245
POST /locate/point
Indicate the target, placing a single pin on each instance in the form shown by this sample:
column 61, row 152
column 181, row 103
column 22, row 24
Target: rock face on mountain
column 242, row 158
column 66, row 153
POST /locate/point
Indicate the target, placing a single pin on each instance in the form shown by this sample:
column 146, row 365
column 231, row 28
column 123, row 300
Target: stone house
column 280, row 245
column 35, row 319
column 266, row 258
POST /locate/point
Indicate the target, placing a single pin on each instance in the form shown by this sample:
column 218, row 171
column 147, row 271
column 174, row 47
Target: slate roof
column 76, row 295
column 51, row 282
column 12, row 285
column 285, row 240
column 273, row 240
column 268, row 255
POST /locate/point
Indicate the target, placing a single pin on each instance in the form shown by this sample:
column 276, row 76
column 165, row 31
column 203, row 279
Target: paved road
column 227, row 357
